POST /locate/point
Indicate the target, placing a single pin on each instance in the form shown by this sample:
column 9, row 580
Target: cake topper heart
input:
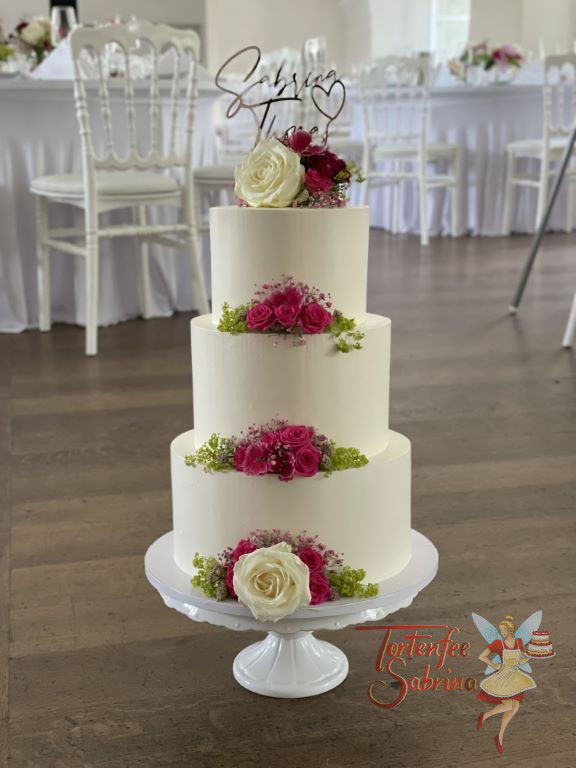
column 318, row 91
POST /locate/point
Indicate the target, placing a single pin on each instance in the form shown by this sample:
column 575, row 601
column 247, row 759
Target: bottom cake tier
column 363, row 513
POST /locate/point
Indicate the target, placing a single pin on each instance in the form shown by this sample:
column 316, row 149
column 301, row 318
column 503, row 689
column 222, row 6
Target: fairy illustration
column 506, row 686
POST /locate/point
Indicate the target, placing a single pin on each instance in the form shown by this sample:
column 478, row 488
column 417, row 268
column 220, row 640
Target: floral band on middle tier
column 288, row 307
column 277, row 448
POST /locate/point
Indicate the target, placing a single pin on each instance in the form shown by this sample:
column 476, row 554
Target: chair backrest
column 394, row 94
column 140, row 67
column 559, row 94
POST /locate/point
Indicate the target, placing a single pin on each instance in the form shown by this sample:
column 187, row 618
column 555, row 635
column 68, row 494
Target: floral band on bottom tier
column 275, row 572
column 276, row 448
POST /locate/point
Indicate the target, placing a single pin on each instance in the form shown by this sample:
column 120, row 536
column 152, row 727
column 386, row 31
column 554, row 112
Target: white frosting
column 539, row 637
column 364, row 513
column 252, row 378
column 326, row 248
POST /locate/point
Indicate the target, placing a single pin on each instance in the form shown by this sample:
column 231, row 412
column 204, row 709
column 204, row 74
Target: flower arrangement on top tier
column 292, row 171
column 277, row 448
column 274, row 572
column 287, row 307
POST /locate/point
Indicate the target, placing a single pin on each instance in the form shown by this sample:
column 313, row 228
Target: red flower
column 229, row 579
column 301, row 142
column 244, row 547
column 256, row 460
column 286, row 465
column 319, row 588
column 307, row 461
column 239, row 456
column 327, row 164
column 293, row 296
column 294, row 436
column 260, row 317
column 316, row 182
column 312, row 558
column 287, row 315
column 314, row 318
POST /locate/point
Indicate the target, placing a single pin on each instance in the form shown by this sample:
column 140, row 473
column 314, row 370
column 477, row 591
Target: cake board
column 290, row 662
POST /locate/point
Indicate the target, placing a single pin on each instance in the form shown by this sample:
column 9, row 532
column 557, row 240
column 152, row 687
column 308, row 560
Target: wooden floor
column 96, row 673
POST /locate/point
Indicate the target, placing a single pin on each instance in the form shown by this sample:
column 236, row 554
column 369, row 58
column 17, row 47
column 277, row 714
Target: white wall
column 399, row 27
column 272, row 24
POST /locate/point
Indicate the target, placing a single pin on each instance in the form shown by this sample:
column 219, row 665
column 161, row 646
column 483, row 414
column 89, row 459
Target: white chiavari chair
column 394, row 93
column 559, row 102
column 126, row 165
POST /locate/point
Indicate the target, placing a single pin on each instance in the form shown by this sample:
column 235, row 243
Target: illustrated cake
column 291, row 383
column 540, row 646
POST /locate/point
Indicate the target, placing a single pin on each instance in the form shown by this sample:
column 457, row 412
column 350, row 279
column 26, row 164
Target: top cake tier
column 324, row 247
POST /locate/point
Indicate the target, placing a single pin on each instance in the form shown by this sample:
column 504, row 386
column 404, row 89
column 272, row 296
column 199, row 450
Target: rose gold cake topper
column 281, row 88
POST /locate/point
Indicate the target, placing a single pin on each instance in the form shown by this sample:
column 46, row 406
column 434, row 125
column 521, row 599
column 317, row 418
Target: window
column 449, row 28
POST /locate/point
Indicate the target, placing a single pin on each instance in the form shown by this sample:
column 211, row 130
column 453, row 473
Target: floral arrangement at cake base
column 286, row 307
column 292, row 172
column 275, row 572
column 277, row 448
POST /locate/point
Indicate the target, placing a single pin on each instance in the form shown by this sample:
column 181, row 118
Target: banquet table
column 481, row 120
column 39, row 135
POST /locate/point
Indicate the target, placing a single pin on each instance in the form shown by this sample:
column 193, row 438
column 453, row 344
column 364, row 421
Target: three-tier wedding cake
column 288, row 368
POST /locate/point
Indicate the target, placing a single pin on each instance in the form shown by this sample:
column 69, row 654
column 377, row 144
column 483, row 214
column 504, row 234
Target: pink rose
column 312, row 558
column 316, row 182
column 287, row 315
column 276, row 298
column 319, row 588
column 244, row 547
column 293, row 296
column 314, row 318
column 256, row 460
column 229, row 579
column 294, row 436
column 260, row 317
column 269, row 439
column 239, row 456
column 307, row 461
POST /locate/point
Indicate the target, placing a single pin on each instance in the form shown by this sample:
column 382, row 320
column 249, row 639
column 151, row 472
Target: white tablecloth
column 482, row 120
column 39, row 135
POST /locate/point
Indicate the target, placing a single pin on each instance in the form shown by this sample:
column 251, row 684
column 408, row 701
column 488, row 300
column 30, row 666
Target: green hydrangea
column 233, row 319
column 345, row 458
column 347, row 582
column 216, row 455
column 211, row 576
column 344, row 332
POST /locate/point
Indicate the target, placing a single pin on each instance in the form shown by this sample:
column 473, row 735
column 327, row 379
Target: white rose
column 34, row 32
column 270, row 177
column 272, row 581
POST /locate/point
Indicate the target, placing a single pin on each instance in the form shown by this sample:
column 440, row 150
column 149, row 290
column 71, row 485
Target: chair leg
column 144, row 268
column 543, row 188
column 569, row 202
column 510, row 164
column 456, row 196
column 423, row 191
column 91, row 293
column 396, row 198
column 44, row 299
column 570, row 326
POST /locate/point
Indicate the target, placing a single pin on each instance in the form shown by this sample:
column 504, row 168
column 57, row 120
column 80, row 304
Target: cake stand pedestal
column 290, row 662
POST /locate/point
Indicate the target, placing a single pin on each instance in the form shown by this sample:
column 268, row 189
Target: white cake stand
column 290, row 662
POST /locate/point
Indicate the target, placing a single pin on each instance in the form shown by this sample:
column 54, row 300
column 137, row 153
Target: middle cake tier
column 251, row 378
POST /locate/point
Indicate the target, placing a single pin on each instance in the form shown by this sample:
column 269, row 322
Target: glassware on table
column 62, row 20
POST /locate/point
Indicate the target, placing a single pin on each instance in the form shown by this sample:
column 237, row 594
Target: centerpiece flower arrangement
column 275, row 572
column 287, row 307
column 277, row 448
column 479, row 56
column 7, row 51
column 292, row 171
column 34, row 38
